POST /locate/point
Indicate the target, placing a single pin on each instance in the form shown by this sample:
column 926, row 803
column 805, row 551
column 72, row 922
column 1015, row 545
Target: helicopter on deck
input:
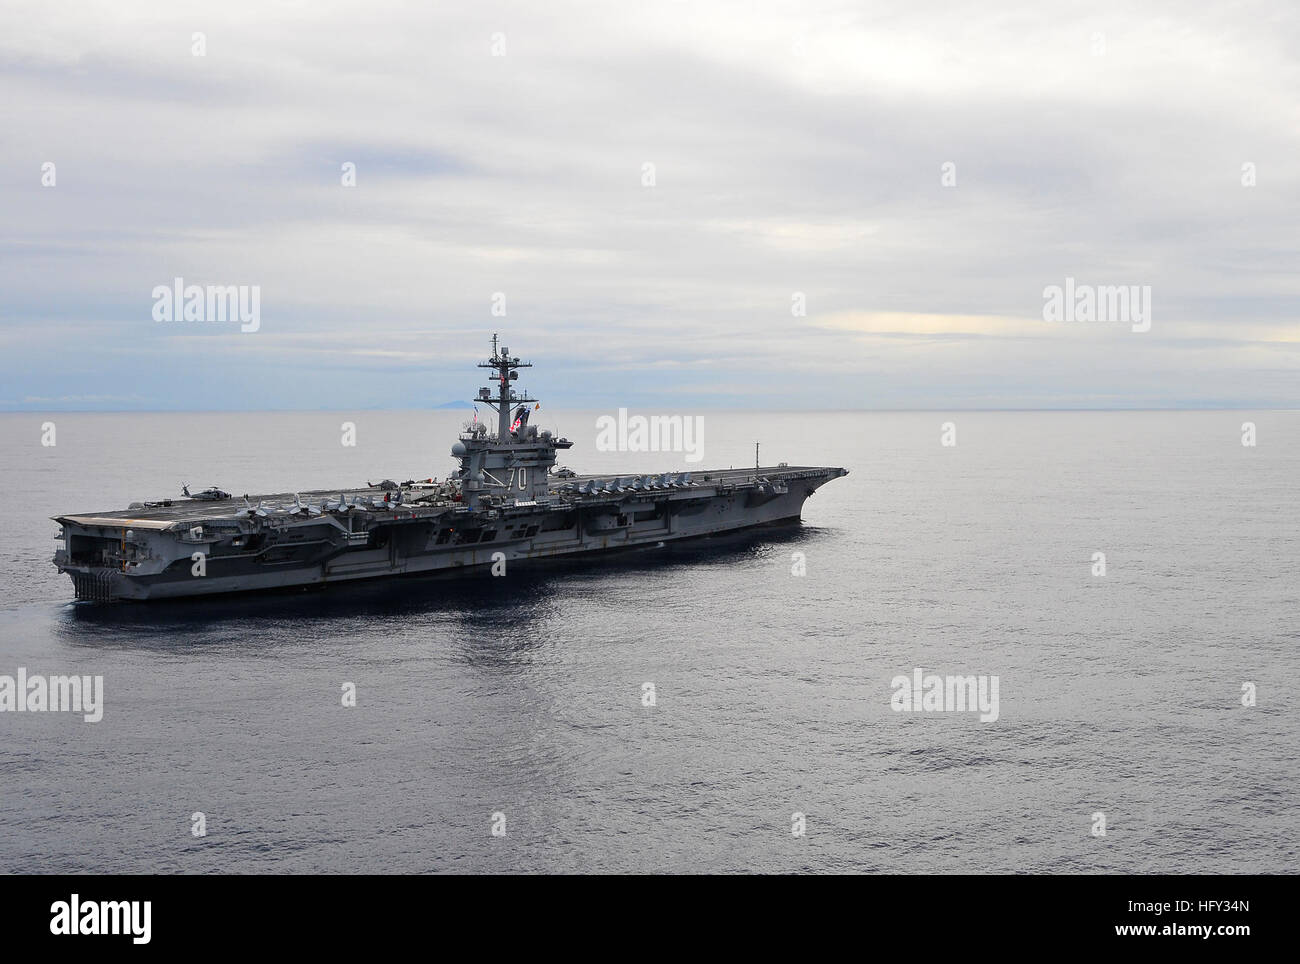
column 210, row 494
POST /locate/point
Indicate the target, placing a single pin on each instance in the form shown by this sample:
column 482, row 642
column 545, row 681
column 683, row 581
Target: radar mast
column 507, row 371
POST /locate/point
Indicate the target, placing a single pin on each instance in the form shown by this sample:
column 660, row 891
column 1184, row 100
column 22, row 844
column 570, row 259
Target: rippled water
column 523, row 696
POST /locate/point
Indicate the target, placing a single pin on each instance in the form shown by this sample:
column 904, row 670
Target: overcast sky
column 796, row 148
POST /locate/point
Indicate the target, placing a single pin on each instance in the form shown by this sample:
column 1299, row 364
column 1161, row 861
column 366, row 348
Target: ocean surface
column 1120, row 695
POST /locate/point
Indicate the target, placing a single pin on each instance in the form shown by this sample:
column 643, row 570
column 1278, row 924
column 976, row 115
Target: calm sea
column 518, row 703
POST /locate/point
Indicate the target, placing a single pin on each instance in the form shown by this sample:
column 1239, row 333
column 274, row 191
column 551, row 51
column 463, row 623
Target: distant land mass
column 455, row 405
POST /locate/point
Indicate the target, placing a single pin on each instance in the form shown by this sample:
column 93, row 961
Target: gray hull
column 201, row 549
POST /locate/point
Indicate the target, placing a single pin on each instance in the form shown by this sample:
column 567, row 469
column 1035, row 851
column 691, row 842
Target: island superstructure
column 506, row 502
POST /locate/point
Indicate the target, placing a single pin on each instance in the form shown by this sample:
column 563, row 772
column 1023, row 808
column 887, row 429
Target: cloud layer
column 913, row 175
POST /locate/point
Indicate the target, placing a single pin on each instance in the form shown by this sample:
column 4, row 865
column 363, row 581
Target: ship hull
column 172, row 558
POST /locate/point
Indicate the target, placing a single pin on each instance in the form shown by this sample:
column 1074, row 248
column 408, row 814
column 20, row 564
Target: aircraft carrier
column 507, row 502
